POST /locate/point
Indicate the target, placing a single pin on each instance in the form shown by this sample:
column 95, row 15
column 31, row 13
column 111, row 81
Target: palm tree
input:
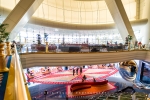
column 129, row 40
column 3, row 34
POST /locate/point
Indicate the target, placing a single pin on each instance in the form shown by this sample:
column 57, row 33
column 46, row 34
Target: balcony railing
column 79, row 48
column 21, row 90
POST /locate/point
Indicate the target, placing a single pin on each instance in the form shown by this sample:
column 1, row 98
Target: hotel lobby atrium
column 74, row 50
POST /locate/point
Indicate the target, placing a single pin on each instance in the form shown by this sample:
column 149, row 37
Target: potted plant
column 129, row 40
column 3, row 36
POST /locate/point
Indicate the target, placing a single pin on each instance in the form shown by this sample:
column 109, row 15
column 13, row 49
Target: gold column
column 46, row 48
column 129, row 45
column 3, row 67
column 8, row 48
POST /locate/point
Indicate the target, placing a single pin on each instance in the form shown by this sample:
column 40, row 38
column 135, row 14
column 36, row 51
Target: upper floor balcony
column 69, row 55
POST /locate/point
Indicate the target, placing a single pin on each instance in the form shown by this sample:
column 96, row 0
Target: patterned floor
column 67, row 77
column 98, row 89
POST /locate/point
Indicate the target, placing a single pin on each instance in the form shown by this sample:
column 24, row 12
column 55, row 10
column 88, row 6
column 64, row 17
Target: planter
column 8, row 48
column 3, row 67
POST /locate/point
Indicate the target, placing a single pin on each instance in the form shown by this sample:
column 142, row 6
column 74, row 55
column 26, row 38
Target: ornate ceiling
column 73, row 11
column 81, row 11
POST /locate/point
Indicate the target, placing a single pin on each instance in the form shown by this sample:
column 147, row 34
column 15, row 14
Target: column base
column 4, row 70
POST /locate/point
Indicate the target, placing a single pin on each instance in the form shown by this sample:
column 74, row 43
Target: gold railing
column 18, row 81
column 22, row 92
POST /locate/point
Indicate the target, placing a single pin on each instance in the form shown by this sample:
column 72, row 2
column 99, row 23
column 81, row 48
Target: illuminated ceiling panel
column 81, row 11
column 74, row 11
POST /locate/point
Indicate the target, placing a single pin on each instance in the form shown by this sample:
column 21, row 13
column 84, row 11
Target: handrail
column 79, row 49
column 20, row 90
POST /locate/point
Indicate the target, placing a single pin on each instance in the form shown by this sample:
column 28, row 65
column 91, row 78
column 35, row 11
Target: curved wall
column 70, row 59
column 48, row 23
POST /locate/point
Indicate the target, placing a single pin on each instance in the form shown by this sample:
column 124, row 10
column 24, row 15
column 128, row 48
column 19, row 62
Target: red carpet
column 66, row 77
column 89, row 91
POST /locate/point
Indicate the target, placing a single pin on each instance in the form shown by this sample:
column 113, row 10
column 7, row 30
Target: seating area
column 84, row 85
column 42, row 72
column 42, row 47
column 102, row 66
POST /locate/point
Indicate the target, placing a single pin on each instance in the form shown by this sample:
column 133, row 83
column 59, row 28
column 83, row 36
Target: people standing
column 80, row 70
column 94, row 80
column 83, row 67
column 139, row 45
column 77, row 70
column 83, row 78
column 73, row 71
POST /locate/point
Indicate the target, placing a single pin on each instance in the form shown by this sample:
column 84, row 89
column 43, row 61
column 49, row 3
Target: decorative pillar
column 129, row 46
column 44, row 40
column 8, row 48
column 46, row 48
column 120, row 17
column 3, row 67
column 25, row 40
column 27, row 50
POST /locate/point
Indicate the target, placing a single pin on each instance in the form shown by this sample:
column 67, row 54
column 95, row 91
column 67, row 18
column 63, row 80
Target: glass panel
column 8, row 4
column 88, row 10
column 133, row 11
column 67, row 16
column 83, row 17
column 103, row 16
column 89, row 17
column 59, row 3
column 109, row 17
column 45, row 11
column 40, row 12
column 75, row 17
column 52, row 13
column 95, row 17
column 60, row 15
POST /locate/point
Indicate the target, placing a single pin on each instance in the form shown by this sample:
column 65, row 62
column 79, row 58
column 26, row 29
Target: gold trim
column 3, row 67
column 8, row 48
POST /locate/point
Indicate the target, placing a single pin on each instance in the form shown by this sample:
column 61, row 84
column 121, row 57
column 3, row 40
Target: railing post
column 27, row 49
column 3, row 67
column 129, row 46
column 46, row 48
column 8, row 48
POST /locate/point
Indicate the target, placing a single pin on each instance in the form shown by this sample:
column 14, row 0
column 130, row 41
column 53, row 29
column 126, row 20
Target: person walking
column 83, row 78
column 80, row 70
column 73, row 71
column 77, row 70
column 94, row 80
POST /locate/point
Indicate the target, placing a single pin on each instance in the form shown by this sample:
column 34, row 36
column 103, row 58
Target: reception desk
column 85, row 85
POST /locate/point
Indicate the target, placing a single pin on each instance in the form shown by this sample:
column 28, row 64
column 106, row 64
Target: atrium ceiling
column 73, row 11
column 81, row 11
